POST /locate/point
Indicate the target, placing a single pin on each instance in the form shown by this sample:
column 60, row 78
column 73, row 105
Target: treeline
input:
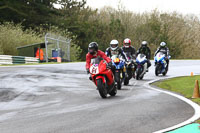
column 79, row 22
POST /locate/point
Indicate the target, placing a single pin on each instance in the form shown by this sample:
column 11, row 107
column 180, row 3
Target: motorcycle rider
column 93, row 52
column 114, row 49
column 128, row 49
column 164, row 49
column 144, row 49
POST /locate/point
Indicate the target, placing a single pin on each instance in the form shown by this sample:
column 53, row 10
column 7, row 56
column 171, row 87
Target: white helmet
column 162, row 44
column 144, row 43
column 114, row 44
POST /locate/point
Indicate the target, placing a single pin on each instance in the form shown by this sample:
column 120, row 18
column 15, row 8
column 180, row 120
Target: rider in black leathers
column 144, row 49
column 130, row 50
column 164, row 49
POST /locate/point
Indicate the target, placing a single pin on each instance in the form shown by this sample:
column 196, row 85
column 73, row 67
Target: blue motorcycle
column 119, row 73
column 160, row 64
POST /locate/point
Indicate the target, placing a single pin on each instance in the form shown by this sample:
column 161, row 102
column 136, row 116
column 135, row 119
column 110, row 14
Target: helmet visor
column 114, row 45
column 91, row 50
column 144, row 44
column 127, row 44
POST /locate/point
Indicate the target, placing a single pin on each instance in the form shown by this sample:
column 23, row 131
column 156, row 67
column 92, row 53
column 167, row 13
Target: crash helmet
column 114, row 44
column 162, row 44
column 93, row 47
column 127, row 43
column 144, row 43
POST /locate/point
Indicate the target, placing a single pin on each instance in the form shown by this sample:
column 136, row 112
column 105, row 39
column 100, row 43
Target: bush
column 13, row 36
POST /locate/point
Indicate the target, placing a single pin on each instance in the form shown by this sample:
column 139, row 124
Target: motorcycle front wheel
column 102, row 89
column 118, row 80
column 138, row 73
column 157, row 70
column 126, row 81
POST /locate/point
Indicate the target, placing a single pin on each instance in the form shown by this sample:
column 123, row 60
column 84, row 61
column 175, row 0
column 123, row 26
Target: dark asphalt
column 59, row 98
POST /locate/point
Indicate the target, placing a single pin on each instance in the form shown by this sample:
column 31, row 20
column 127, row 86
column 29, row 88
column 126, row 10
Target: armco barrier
column 18, row 59
column 31, row 60
column 7, row 59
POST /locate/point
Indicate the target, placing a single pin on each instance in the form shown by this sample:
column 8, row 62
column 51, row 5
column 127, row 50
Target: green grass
column 181, row 85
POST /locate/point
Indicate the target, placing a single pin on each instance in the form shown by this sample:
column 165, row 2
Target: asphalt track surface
column 59, row 98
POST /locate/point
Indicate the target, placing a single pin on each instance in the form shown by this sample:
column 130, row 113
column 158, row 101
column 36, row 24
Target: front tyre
column 138, row 73
column 118, row 80
column 156, row 70
column 126, row 81
column 119, row 86
column 102, row 89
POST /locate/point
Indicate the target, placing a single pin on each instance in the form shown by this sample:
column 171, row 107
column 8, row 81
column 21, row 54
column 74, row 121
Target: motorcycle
column 119, row 72
column 130, row 69
column 102, row 77
column 141, row 69
column 160, row 64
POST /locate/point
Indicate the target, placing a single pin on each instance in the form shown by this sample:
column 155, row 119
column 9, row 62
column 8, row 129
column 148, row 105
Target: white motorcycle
column 141, row 69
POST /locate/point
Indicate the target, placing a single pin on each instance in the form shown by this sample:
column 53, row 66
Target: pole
column 68, row 52
column 46, row 42
column 58, row 46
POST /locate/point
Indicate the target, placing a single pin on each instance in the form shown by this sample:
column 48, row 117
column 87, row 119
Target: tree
column 31, row 13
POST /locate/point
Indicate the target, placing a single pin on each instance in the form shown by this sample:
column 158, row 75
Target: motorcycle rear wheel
column 164, row 73
column 156, row 71
column 102, row 89
column 114, row 91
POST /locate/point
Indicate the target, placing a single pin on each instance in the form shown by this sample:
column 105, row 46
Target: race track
column 59, row 98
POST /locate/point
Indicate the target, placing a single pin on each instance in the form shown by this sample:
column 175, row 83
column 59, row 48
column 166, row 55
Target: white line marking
column 195, row 106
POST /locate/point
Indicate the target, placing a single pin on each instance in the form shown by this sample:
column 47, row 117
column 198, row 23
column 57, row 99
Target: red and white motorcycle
column 102, row 77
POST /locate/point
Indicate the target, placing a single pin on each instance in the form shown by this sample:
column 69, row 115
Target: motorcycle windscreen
column 160, row 56
column 141, row 58
column 96, row 60
column 114, row 57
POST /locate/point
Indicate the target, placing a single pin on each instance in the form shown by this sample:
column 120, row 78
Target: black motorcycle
column 130, row 69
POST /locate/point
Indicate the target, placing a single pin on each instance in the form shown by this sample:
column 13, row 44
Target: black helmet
column 93, row 46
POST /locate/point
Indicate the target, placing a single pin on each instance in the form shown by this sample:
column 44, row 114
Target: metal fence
column 57, row 46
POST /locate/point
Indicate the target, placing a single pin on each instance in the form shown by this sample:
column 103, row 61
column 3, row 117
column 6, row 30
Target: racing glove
column 109, row 65
column 88, row 71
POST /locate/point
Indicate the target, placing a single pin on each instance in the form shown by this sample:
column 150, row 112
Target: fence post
column 46, row 47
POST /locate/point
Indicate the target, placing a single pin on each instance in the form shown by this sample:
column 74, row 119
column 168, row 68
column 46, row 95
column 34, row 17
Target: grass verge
column 181, row 85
